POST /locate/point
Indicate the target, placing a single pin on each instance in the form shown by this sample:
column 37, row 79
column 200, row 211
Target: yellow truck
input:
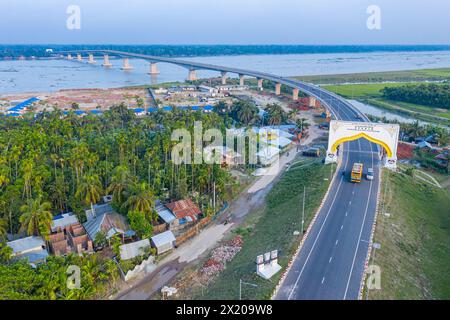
column 357, row 171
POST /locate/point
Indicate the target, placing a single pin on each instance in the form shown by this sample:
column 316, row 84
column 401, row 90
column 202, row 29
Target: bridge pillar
column 224, row 77
column 153, row 68
column 278, row 89
column 91, row 58
column 295, row 94
column 192, row 75
column 260, row 84
column 79, row 57
column 241, row 80
column 312, row 102
column 69, row 57
column 106, row 62
column 126, row 65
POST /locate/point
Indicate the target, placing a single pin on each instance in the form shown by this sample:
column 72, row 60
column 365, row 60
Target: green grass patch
column 440, row 74
column 271, row 228
column 356, row 91
column 415, row 240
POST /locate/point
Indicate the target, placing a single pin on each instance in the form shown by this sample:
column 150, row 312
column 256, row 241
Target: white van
column 370, row 174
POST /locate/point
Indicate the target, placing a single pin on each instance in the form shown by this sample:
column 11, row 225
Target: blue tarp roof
column 138, row 110
column 167, row 108
column 152, row 109
column 79, row 112
column 96, row 111
column 23, row 104
column 195, row 108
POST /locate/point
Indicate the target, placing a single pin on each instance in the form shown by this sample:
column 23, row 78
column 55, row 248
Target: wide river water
column 51, row 75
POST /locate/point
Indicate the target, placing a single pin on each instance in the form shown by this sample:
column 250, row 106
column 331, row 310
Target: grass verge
column 438, row 74
column 269, row 229
column 415, row 240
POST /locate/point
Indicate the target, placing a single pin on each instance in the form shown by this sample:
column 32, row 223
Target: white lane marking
column 350, row 203
column 360, row 233
column 346, row 213
column 318, row 234
column 342, row 227
column 323, row 279
column 331, row 258
column 336, row 242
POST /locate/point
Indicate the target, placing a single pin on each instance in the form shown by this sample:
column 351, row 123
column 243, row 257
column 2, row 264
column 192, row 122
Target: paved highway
column 331, row 262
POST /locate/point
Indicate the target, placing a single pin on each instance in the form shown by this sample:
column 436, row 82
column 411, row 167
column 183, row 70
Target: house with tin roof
column 184, row 211
column 31, row 248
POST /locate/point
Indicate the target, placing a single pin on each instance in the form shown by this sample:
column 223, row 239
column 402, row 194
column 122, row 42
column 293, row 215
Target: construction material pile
column 219, row 257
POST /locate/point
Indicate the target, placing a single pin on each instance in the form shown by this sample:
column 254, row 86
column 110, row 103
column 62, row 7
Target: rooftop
column 163, row 238
column 27, row 244
column 184, row 208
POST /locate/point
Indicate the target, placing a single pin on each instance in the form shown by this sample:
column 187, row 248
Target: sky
column 306, row 22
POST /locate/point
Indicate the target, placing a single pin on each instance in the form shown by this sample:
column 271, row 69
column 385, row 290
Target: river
column 52, row 75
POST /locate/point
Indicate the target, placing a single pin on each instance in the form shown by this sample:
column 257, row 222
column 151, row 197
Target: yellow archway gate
column 385, row 135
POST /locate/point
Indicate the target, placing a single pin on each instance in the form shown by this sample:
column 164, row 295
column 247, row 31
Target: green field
column 269, row 229
column 371, row 94
column 420, row 75
column 415, row 240
column 357, row 91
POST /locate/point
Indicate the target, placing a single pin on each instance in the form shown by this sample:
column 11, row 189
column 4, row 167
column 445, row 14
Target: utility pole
column 303, row 211
column 240, row 287
column 214, row 196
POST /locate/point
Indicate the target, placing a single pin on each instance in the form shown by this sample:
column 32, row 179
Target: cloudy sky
column 225, row 22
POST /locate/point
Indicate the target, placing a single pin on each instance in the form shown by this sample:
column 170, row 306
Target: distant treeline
column 209, row 50
column 434, row 95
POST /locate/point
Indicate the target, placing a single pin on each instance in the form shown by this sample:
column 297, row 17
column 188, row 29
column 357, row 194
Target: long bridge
column 331, row 263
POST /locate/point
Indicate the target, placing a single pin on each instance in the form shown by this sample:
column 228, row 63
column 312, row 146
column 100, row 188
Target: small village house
column 32, row 248
column 163, row 242
column 184, row 210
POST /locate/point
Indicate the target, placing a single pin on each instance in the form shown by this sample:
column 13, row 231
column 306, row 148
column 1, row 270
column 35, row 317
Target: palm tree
column 141, row 198
column 275, row 114
column 245, row 112
column 119, row 182
column 89, row 189
column 302, row 124
column 36, row 217
column 3, row 228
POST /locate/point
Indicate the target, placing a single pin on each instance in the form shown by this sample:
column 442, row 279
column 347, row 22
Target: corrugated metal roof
column 164, row 213
column 163, row 238
column 26, row 244
column 134, row 249
column 63, row 221
column 93, row 226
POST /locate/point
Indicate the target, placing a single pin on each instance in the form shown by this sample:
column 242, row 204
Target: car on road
column 369, row 175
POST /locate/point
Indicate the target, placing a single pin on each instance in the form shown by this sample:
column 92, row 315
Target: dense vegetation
column 19, row 281
column 52, row 164
column 210, row 50
column 426, row 94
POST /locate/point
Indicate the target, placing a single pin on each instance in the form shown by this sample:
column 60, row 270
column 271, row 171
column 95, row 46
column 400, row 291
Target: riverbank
column 414, row 256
